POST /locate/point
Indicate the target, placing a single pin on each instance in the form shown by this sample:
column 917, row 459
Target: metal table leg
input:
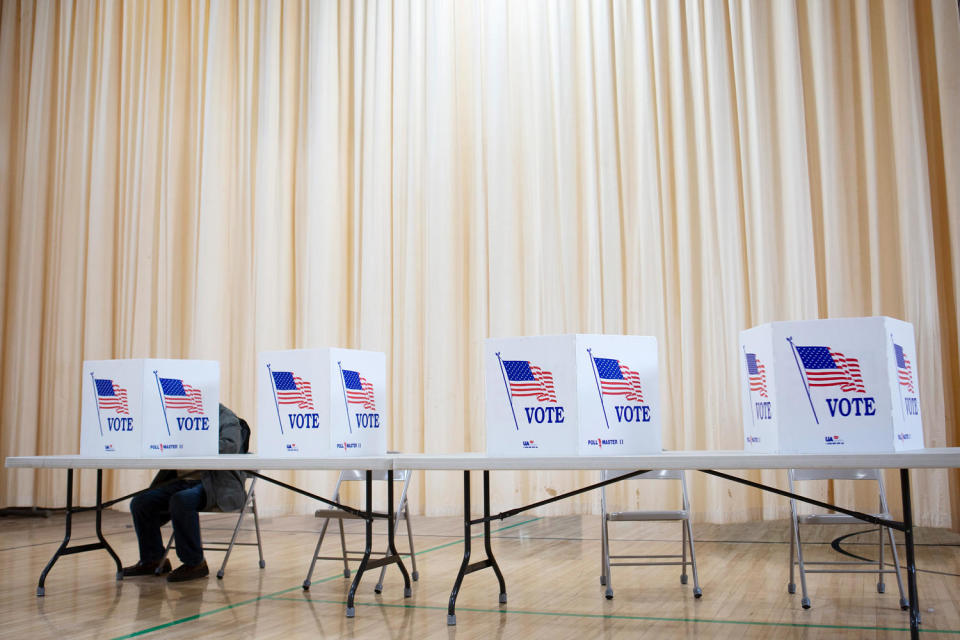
column 465, row 565
column 99, row 522
column 65, row 549
column 392, row 557
column 66, row 536
column 391, row 541
column 452, row 606
column 911, row 564
column 486, row 537
column 368, row 517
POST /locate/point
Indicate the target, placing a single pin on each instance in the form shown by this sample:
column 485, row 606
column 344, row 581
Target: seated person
column 178, row 496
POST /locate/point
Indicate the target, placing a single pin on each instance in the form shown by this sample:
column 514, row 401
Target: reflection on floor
column 551, row 567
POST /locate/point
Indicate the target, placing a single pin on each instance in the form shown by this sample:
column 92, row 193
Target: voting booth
column 839, row 385
column 321, row 402
column 571, row 395
column 152, row 408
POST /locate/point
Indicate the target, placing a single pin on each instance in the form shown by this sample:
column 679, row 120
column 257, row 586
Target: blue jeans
column 178, row 502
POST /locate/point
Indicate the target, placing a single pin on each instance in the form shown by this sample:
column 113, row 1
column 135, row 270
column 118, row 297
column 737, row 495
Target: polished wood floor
column 550, row 564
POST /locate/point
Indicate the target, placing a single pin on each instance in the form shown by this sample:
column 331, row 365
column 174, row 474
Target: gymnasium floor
column 550, row 565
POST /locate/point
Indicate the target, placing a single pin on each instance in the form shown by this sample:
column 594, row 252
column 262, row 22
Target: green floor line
column 611, row 616
column 271, row 596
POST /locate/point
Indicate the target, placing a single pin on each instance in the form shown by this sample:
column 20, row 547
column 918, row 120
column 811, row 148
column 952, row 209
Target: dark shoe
column 147, row 569
column 185, row 572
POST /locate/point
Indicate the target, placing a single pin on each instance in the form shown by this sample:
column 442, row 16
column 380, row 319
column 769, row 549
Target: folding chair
column 249, row 503
column 799, row 475
column 403, row 513
column 682, row 515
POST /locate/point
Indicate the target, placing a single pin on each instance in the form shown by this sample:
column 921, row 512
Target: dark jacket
column 224, row 488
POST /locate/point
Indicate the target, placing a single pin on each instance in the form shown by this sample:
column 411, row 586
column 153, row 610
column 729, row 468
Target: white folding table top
column 943, row 458
column 223, row 461
column 919, row 459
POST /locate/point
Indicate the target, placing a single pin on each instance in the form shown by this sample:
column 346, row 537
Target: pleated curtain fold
column 213, row 179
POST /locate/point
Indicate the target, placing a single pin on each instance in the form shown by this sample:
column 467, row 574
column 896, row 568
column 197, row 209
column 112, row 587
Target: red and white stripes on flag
column 529, row 381
column 828, row 368
column 617, row 379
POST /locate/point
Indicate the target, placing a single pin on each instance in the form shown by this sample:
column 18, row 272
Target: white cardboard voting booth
column 838, row 385
column 572, row 394
column 321, row 402
column 152, row 408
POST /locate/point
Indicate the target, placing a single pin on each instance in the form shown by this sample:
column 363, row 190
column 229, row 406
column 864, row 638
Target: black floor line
column 402, row 533
column 835, row 544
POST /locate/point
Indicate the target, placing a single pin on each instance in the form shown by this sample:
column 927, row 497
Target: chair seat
column 647, row 516
column 336, row 514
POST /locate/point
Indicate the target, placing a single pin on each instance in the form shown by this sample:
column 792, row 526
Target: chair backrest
column 656, row 474
column 876, row 475
column 245, row 430
column 358, row 475
column 834, row 474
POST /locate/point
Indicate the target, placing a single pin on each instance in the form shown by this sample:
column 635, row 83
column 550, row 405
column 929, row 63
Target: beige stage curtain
column 209, row 180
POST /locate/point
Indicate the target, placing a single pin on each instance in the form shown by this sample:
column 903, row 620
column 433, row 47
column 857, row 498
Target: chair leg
column 881, row 587
column 604, row 549
column 606, row 561
column 413, row 554
column 804, row 600
column 697, row 591
column 378, row 588
column 904, row 604
column 683, row 553
column 166, row 552
column 316, row 552
column 256, row 526
column 792, row 586
column 603, row 554
column 233, row 538
column 343, row 548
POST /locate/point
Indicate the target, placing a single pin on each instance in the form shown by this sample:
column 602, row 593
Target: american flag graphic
column 757, row 374
column 359, row 391
column 112, row 396
column 292, row 389
column 904, row 372
column 529, row 381
column 828, row 368
column 617, row 379
column 177, row 395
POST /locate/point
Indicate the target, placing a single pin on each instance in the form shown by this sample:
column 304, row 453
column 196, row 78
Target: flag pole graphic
column 273, row 387
column 163, row 405
column 899, row 390
column 753, row 420
column 509, row 395
column 96, row 402
column 597, row 380
column 793, row 349
column 346, row 405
